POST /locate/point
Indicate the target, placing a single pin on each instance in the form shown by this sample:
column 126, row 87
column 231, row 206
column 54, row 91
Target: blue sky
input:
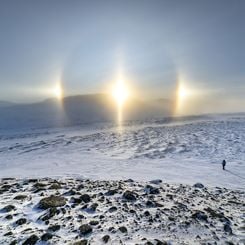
column 82, row 43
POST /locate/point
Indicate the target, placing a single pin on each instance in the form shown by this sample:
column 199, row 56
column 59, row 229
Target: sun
column 58, row 91
column 120, row 92
column 182, row 92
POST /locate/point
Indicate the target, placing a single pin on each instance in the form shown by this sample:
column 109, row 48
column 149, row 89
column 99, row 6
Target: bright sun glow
column 120, row 92
column 182, row 92
column 58, row 92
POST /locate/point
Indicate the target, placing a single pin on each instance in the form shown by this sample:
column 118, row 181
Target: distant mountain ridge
column 6, row 103
column 75, row 110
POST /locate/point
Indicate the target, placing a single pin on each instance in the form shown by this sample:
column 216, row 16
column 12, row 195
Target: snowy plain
column 182, row 151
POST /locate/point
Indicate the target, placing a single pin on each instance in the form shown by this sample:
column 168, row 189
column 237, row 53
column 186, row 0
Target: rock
column 55, row 186
column 54, row 228
column 52, row 202
column 151, row 190
column 8, row 208
column 112, row 209
column 105, row 238
column 111, row 192
column 21, row 221
column 14, row 242
column 9, row 216
column 31, row 240
column 93, row 207
column 200, row 216
column 49, row 214
column 158, row 242
column 227, row 228
column 156, row 181
column 94, row 222
column 81, row 242
column 129, row 181
column 123, row 229
column 129, row 196
column 85, row 229
column 20, row 197
column 8, row 233
column 85, row 198
column 213, row 213
column 39, row 185
column 198, row 185
column 47, row 236
column 147, row 213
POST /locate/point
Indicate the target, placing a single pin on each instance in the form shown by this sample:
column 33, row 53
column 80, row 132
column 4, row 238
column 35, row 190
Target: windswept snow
column 184, row 152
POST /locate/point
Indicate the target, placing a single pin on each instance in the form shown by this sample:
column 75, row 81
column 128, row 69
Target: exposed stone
column 20, row 197
column 8, row 208
column 105, row 238
column 46, row 236
column 21, row 221
column 123, row 229
column 51, row 202
column 198, row 185
column 129, row 196
column 54, row 228
column 227, row 228
column 85, row 229
column 85, row 198
column 31, row 240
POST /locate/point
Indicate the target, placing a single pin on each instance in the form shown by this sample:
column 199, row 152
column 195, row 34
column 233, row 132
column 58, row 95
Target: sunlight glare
column 58, row 92
column 120, row 92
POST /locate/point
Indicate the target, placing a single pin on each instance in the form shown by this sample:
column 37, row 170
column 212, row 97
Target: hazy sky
column 82, row 43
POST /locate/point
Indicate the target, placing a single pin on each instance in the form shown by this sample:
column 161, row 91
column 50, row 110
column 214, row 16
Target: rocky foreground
column 76, row 211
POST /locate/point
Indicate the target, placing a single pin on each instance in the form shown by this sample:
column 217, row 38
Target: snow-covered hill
column 181, row 151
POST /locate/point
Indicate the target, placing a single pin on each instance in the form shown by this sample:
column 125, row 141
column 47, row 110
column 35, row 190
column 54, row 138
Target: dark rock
column 111, row 192
column 49, row 214
column 93, row 207
column 20, row 197
column 213, row 213
column 129, row 181
column 200, row 216
column 31, row 240
column 8, row 208
column 112, row 209
column 105, row 238
column 21, row 221
column 227, row 228
column 149, row 243
column 85, row 229
column 158, row 242
column 54, row 228
column 8, row 233
column 47, row 236
column 81, row 242
column 198, row 185
column 85, row 198
column 156, row 181
column 151, row 190
column 129, row 196
column 51, row 202
column 94, row 222
column 55, row 186
column 123, row 229
column 9, row 216
column 14, row 242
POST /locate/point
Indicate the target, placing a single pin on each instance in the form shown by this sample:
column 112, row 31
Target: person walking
column 223, row 164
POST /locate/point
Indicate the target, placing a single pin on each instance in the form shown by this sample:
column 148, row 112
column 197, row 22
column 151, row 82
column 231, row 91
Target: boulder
column 129, row 196
column 52, row 202
column 85, row 229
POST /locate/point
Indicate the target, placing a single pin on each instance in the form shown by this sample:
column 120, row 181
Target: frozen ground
column 186, row 152
column 84, row 212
